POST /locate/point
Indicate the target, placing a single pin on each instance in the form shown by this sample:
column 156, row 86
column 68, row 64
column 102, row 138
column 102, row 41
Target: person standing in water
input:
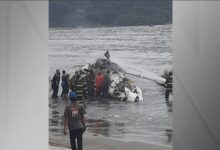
column 169, row 88
column 55, row 83
column 99, row 84
column 74, row 121
column 73, row 79
column 65, row 84
column 81, row 88
column 107, row 82
column 91, row 83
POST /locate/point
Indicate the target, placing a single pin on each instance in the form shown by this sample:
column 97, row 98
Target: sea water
column 145, row 50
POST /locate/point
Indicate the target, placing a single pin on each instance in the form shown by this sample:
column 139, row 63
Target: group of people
column 56, row 81
column 84, row 84
column 79, row 86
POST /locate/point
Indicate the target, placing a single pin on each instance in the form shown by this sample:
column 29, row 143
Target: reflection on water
column 99, row 126
column 109, row 118
column 142, row 49
column 169, row 134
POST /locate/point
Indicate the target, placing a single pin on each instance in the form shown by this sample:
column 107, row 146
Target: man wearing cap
column 74, row 121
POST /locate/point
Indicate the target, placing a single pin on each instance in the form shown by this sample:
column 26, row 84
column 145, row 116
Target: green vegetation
column 73, row 13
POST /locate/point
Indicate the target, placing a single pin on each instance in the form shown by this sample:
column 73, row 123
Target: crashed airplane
column 121, row 88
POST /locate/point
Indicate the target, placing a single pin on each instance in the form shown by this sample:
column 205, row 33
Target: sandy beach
column 105, row 143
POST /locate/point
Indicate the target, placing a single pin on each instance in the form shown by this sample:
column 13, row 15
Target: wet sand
column 104, row 143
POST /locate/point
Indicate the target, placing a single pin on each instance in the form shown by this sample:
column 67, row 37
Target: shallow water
column 138, row 49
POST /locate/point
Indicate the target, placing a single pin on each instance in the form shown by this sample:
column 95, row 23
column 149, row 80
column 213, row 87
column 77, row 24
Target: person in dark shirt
column 91, row 83
column 55, row 83
column 107, row 55
column 169, row 88
column 73, row 79
column 74, row 121
column 107, row 82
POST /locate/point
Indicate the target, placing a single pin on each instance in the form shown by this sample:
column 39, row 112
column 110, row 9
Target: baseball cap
column 72, row 96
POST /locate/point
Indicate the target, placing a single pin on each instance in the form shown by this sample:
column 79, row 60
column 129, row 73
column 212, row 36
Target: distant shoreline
column 91, row 27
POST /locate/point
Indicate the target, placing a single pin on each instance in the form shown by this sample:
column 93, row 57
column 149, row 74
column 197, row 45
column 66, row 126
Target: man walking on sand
column 74, row 119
